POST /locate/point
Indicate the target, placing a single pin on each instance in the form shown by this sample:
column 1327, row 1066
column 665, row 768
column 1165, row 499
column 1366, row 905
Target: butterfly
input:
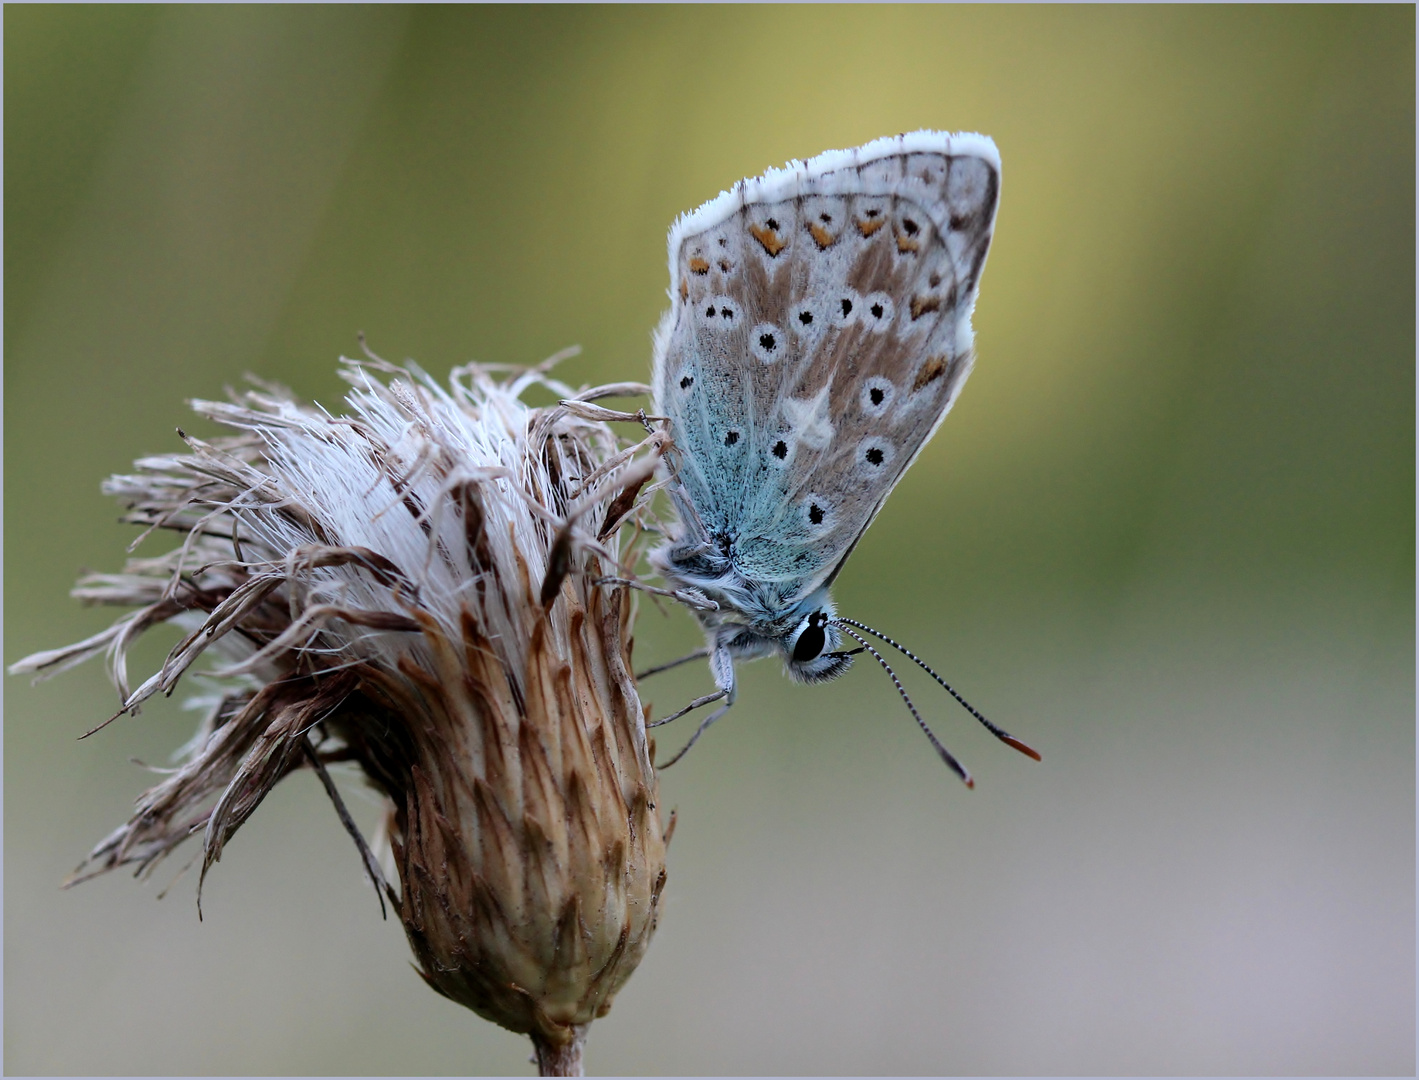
column 818, row 334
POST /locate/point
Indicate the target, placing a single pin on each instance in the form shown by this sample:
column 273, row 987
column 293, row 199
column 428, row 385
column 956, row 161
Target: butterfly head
column 811, row 646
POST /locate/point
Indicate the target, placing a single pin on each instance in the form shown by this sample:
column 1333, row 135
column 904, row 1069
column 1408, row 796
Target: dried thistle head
column 417, row 587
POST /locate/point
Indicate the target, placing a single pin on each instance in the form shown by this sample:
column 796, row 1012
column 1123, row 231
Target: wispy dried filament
column 416, row 588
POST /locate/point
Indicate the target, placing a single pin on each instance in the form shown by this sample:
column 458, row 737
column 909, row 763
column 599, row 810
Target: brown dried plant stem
column 561, row 1059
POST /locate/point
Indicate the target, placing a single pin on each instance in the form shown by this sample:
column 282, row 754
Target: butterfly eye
column 810, row 643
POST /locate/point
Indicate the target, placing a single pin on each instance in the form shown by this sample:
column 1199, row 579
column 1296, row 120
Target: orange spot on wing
column 922, row 304
column 768, row 238
column 868, row 226
column 684, row 289
column 906, row 244
column 821, row 236
column 699, row 266
column 930, row 371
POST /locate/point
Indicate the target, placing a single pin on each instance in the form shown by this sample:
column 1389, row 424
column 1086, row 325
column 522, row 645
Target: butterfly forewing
column 820, row 331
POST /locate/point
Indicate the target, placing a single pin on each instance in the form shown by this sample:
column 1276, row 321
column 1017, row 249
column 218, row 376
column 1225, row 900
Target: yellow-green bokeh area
column 1167, row 535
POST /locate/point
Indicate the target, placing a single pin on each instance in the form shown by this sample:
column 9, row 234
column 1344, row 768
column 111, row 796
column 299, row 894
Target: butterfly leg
column 704, row 726
column 722, row 667
column 698, row 654
column 697, row 703
column 690, row 597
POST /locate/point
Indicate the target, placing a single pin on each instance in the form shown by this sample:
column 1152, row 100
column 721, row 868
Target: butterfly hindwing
column 819, row 332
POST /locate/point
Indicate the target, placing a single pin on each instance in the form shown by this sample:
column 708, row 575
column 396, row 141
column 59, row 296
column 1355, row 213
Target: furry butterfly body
column 819, row 332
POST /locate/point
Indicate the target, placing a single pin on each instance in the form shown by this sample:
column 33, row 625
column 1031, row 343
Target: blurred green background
column 1167, row 536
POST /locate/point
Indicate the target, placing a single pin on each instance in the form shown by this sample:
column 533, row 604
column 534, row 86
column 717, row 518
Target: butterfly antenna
column 946, row 755
column 1000, row 733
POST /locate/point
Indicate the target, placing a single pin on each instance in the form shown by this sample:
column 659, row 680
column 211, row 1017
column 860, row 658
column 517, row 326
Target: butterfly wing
column 819, row 332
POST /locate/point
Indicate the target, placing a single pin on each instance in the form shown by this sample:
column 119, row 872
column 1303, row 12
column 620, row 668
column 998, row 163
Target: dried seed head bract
column 417, row 587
